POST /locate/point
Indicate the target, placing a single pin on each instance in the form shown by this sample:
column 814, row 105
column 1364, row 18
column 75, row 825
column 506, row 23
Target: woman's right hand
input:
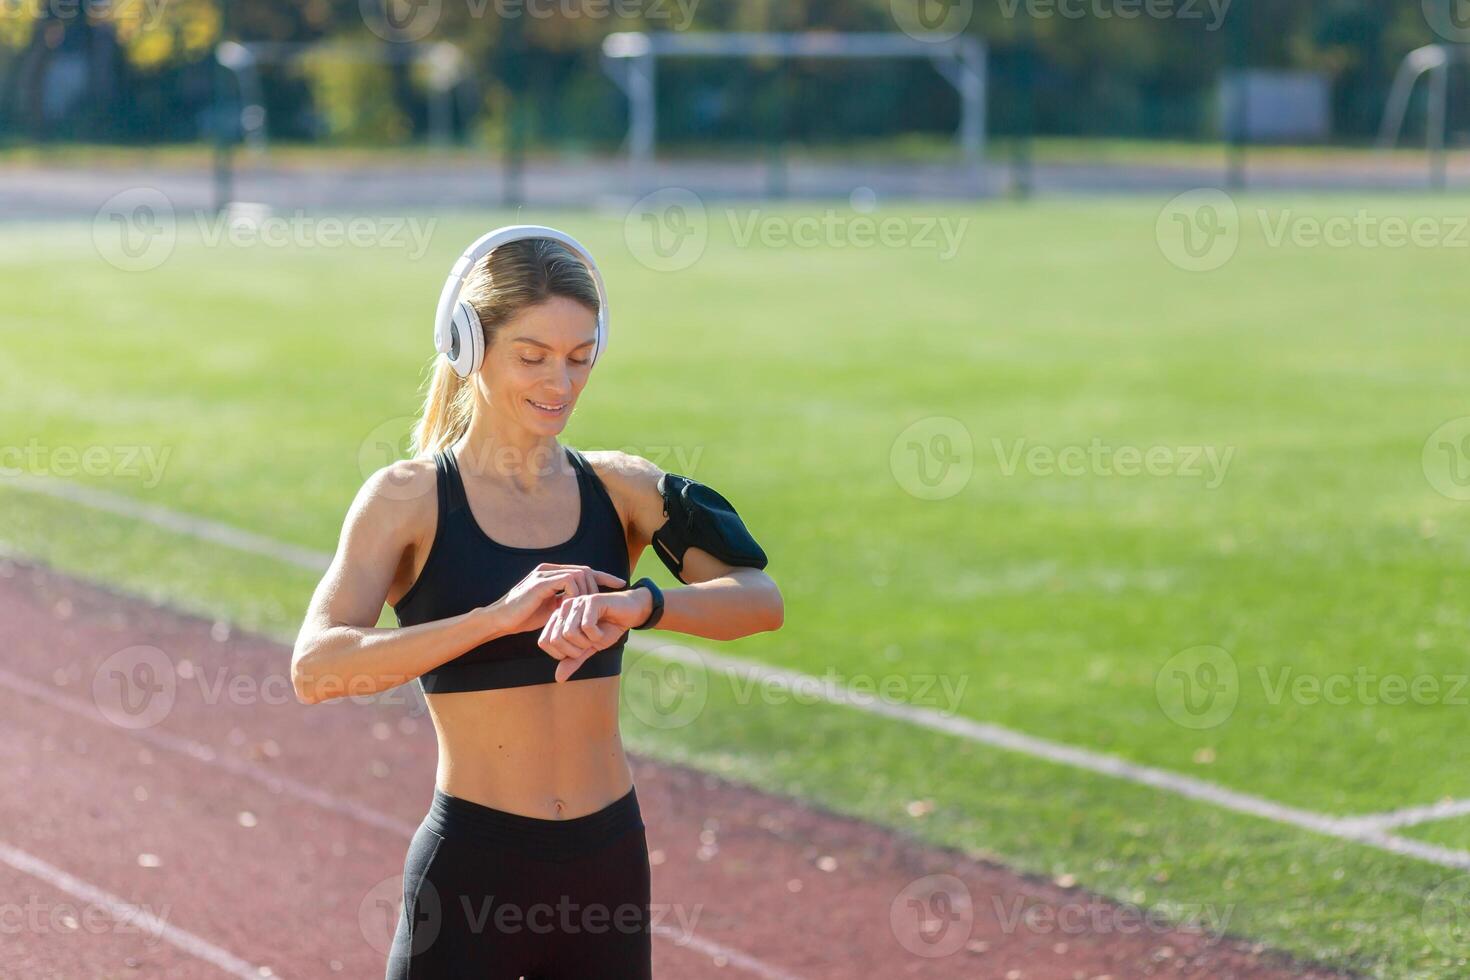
column 532, row 600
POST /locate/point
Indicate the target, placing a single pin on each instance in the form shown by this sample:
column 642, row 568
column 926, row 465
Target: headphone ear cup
column 466, row 340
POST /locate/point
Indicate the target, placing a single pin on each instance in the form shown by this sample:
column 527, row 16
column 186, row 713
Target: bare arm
column 339, row 651
column 721, row 602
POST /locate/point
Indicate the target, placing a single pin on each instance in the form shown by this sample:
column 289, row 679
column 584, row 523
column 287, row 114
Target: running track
column 241, row 833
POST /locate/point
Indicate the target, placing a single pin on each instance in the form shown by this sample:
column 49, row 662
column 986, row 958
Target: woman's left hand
column 584, row 624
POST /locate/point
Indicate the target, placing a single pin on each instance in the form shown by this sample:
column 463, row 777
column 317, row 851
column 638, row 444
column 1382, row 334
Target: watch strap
column 656, row 613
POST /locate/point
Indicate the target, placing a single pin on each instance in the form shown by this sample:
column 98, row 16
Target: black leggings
column 495, row 895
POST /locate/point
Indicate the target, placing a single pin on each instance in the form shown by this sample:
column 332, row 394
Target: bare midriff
column 551, row 751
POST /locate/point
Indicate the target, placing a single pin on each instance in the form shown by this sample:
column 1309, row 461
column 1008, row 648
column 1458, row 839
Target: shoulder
column 632, row 482
column 400, row 498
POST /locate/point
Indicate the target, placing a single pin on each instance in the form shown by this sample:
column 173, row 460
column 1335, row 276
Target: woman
column 506, row 557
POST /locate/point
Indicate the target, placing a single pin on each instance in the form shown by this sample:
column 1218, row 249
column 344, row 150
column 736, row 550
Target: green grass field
column 1317, row 553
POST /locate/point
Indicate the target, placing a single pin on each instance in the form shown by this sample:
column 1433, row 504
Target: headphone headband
column 465, row 352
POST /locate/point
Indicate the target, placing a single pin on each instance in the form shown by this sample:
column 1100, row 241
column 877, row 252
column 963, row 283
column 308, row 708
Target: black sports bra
column 467, row 569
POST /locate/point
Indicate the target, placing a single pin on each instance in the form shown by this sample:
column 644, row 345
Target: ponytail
column 448, row 405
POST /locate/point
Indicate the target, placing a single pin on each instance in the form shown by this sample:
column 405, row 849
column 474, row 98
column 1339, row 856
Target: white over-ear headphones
column 457, row 332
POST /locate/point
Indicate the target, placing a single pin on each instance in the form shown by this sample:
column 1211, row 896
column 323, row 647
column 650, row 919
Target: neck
column 508, row 454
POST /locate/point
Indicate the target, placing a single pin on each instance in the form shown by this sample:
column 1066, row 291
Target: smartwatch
column 658, row 603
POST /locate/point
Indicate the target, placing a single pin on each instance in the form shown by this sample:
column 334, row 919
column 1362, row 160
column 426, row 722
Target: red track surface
column 277, row 834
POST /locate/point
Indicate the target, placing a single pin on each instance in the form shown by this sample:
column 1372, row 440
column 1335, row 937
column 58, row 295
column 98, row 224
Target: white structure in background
column 631, row 60
column 1258, row 105
column 446, row 64
column 1434, row 60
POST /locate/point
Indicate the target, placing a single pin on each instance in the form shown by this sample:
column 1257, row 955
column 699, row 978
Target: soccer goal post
column 630, row 59
column 1434, row 60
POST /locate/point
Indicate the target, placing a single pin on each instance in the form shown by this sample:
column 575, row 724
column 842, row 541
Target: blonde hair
column 515, row 276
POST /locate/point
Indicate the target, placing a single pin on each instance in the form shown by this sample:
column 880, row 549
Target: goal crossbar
column 630, row 60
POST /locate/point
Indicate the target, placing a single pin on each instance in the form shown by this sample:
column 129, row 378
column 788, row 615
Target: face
column 539, row 362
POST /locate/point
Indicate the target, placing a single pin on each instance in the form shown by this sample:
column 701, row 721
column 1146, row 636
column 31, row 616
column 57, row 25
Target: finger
column 609, row 579
column 548, row 639
column 570, row 628
column 586, row 619
column 568, row 667
column 570, row 583
column 554, row 582
column 554, row 639
column 588, row 580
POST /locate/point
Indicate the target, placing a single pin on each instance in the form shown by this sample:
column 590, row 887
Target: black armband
column 700, row 517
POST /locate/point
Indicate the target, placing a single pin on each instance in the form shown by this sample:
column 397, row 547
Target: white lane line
column 807, row 685
column 723, row 955
column 126, row 913
column 203, row 753
column 998, row 736
column 1410, row 815
column 172, row 520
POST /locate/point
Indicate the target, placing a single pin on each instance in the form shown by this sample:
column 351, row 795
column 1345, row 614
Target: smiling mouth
column 548, row 408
